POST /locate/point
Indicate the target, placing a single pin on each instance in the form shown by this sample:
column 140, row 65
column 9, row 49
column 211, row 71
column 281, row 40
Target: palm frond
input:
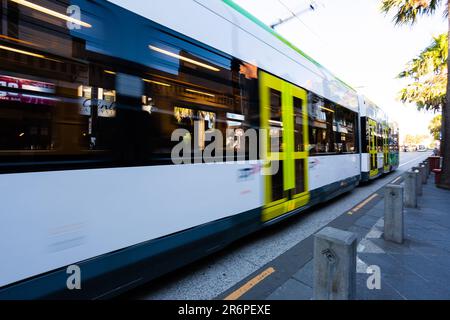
column 429, row 94
column 432, row 60
column 407, row 11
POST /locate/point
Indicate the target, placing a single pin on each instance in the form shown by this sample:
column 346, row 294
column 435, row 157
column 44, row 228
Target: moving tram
column 95, row 96
column 379, row 141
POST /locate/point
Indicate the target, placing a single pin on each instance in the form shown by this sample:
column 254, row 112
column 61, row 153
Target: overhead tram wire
column 295, row 15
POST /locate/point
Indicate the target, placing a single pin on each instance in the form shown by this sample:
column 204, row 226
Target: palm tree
column 407, row 12
column 429, row 74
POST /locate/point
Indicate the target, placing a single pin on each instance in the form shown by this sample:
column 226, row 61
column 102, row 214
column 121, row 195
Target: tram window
column 276, row 124
column 77, row 114
column 213, row 110
column 299, row 176
column 24, row 127
column 195, row 121
column 220, row 88
column 97, row 112
column 298, row 125
column 235, row 125
column 35, row 122
column 321, row 118
column 243, row 115
column 340, row 130
column 345, row 130
column 365, row 135
column 393, row 140
column 380, row 141
column 278, row 192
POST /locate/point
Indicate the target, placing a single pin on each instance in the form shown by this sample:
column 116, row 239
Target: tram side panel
column 334, row 149
column 369, row 155
column 90, row 180
column 73, row 216
column 114, row 205
column 317, row 158
column 394, row 146
column 375, row 152
column 333, row 175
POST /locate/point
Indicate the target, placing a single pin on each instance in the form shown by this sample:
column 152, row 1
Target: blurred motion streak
column 51, row 12
column 23, row 52
column 174, row 55
column 17, row 40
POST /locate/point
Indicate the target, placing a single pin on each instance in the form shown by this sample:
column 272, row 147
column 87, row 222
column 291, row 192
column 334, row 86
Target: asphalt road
column 209, row 277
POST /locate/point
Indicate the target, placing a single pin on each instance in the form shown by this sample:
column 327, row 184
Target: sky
column 359, row 44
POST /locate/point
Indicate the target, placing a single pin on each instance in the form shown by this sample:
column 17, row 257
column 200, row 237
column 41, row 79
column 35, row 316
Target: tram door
column 373, row 153
column 284, row 120
column 386, row 161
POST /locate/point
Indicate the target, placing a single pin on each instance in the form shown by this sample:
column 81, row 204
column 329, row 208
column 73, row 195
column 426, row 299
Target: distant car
column 410, row 148
column 422, row 148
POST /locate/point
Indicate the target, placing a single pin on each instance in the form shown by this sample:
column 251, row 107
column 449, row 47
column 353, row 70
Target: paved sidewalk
column 417, row 269
column 420, row 267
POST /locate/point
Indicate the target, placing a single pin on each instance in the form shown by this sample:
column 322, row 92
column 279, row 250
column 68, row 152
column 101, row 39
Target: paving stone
column 292, row 290
column 391, row 247
column 379, row 206
column 306, row 274
column 441, row 260
column 386, row 291
column 387, row 263
column 427, row 248
column 360, row 232
column 367, row 245
column 376, row 212
column 367, row 221
column 413, row 287
column 425, row 268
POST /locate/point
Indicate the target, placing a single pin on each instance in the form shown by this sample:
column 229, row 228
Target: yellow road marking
column 362, row 204
column 250, row 284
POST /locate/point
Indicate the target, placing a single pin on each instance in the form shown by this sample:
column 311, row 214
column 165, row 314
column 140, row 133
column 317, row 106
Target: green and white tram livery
column 89, row 123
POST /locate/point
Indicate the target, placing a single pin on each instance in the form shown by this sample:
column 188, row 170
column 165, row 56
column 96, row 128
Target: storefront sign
column 28, row 85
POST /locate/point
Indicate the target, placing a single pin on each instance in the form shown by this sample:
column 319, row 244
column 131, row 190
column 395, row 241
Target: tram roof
column 238, row 33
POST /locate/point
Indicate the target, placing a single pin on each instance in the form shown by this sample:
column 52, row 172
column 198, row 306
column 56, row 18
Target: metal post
column 428, row 167
column 418, row 181
column 334, row 265
column 411, row 189
column 393, row 213
column 423, row 170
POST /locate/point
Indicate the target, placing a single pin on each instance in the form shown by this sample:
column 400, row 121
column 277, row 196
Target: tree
column 414, row 140
column 435, row 127
column 409, row 139
column 429, row 74
column 407, row 12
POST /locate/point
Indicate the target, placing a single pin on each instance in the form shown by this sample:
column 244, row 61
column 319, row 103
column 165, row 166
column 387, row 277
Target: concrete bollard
column 423, row 172
column 418, row 181
column 334, row 265
column 427, row 166
column 411, row 189
column 393, row 213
